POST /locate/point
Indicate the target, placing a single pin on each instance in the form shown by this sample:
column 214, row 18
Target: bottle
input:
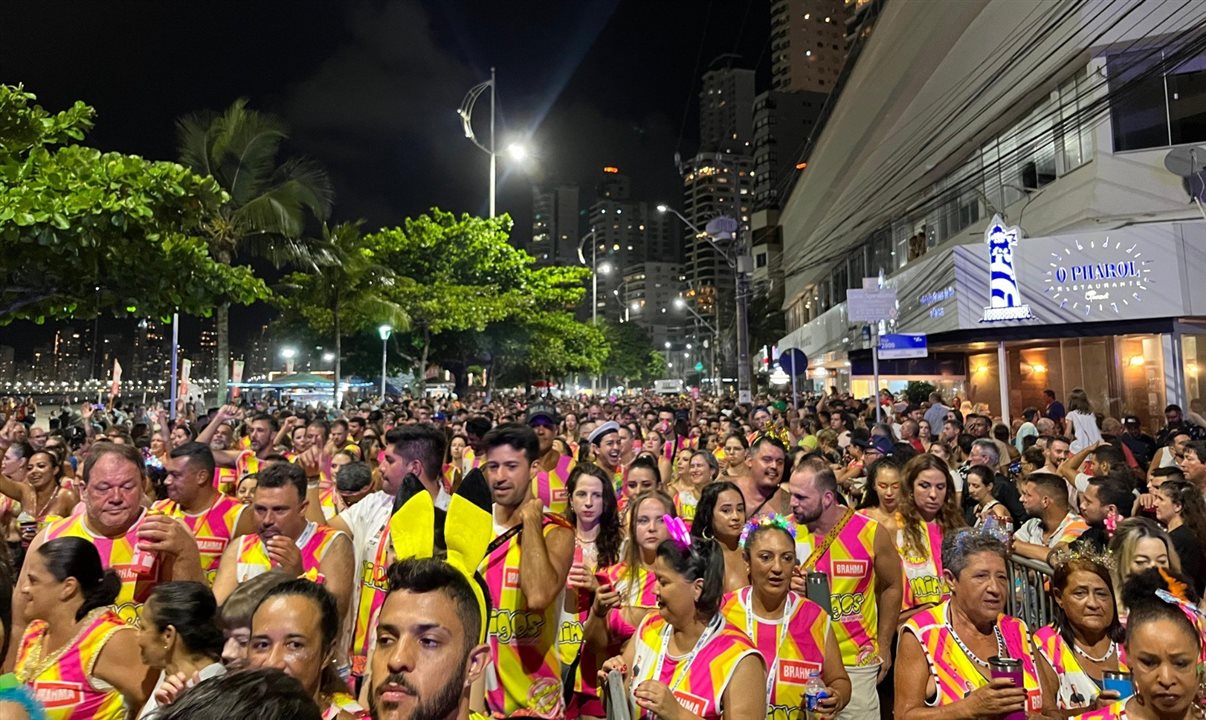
column 814, row 692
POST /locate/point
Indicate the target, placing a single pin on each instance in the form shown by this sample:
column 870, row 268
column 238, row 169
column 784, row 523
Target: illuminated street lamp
column 289, row 354
column 384, row 331
column 516, row 151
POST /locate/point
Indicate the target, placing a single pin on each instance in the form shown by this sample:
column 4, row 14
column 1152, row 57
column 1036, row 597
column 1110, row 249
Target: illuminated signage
column 1005, row 301
column 611, row 170
column 936, row 299
column 1081, row 285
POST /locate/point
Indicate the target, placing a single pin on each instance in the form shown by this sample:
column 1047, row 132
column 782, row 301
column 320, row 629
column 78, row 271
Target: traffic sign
column 871, row 305
column 900, row 347
column 793, row 361
column 698, row 367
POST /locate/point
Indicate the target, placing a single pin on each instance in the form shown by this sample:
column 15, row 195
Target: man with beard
column 263, row 432
column 429, row 649
column 760, row 487
column 525, row 570
column 286, row 540
column 1055, row 453
column 1052, row 523
column 1104, row 496
column 863, row 569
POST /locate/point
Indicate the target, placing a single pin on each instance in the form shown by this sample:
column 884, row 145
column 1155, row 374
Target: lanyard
column 751, row 625
column 713, row 627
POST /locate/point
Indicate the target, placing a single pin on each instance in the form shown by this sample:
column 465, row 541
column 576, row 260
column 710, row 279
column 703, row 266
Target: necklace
column 1109, row 653
column 996, row 629
column 751, row 624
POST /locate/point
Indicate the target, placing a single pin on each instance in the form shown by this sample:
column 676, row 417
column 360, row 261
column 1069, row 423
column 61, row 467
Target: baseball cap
column 881, row 445
column 1131, row 421
column 542, row 410
column 860, row 438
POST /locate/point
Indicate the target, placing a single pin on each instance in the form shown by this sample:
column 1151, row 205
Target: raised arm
column 544, row 561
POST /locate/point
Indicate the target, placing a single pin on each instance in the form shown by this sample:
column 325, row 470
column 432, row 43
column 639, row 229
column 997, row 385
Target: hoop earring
column 707, row 535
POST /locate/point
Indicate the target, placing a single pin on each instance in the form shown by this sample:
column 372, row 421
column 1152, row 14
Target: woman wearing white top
column 1081, row 421
column 180, row 636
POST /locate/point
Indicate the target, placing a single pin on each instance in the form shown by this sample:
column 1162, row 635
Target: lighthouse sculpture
column 1005, row 301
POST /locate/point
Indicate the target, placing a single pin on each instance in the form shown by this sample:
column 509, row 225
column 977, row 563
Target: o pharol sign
column 1005, row 302
column 1112, row 276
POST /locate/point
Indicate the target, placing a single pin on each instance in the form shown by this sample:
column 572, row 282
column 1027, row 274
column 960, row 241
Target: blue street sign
column 900, row 347
column 793, row 361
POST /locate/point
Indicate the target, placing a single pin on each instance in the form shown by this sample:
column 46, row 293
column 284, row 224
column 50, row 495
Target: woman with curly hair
column 1180, row 508
column 927, row 513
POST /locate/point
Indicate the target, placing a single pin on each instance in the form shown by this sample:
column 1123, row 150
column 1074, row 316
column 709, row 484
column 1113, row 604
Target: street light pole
column 493, row 148
column 385, row 331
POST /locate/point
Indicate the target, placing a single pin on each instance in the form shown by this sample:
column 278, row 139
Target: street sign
column 871, row 305
column 698, row 367
column 794, row 361
column 900, row 347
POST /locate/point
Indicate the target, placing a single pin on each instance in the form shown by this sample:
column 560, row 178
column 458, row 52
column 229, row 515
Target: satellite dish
column 722, row 228
column 1190, row 164
column 1185, row 161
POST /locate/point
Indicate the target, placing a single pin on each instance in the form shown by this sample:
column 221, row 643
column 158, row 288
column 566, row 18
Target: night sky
column 370, row 89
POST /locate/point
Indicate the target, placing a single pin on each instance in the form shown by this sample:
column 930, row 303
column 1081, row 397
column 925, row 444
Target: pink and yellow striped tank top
column 62, row 681
column 139, row 571
column 923, row 581
column 793, row 646
column 850, row 564
column 1076, row 688
column 954, row 673
column 699, row 679
column 525, row 669
column 641, row 594
column 374, row 584
column 246, row 464
column 313, row 543
column 226, row 480
column 552, row 487
column 213, row 529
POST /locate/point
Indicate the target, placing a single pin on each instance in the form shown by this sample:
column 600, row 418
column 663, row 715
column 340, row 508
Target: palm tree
column 341, row 290
column 266, row 213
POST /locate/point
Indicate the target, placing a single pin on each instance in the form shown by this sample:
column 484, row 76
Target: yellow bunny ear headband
column 467, row 532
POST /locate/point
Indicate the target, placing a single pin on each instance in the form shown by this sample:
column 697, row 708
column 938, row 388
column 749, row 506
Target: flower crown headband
column 771, row 520
column 1065, row 555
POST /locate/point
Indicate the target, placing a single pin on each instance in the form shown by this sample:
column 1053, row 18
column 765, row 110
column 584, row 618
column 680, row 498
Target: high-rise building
column 649, row 292
column 714, row 185
column 8, row 363
column 808, row 44
column 782, row 124
column 556, row 225
column 152, row 351
column 725, row 100
column 207, row 354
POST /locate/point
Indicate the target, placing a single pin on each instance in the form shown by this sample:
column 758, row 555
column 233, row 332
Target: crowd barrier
column 1028, row 597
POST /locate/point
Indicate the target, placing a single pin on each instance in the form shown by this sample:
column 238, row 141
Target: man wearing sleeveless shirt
column 525, row 569
column 144, row 549
column 214, row 519
column 865, row 580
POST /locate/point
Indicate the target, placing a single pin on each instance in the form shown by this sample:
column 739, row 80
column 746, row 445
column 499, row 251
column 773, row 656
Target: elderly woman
column 1164, row 637
column 942, row 666
column 1084, row 641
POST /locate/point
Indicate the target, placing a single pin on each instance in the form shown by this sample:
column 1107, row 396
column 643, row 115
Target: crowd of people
column 634, row 557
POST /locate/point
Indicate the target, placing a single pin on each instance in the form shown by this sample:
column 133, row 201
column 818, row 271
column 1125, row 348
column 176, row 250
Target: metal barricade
column 1028, row 597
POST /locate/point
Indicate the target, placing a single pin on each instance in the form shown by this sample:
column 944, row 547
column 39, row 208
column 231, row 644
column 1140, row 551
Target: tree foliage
column 86, row 232
column 631, row 355
column 343, row 291
column 460, row 274
column 267, row 201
